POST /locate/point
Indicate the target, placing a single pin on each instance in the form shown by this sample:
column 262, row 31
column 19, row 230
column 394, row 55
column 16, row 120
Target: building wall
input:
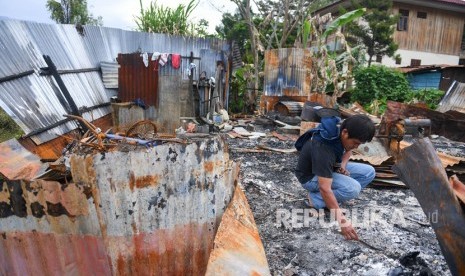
column 425, row 57
column 441, row 32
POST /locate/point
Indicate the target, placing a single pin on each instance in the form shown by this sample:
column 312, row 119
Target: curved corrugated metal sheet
column 454, row 98
column 287, row 72
column 149, row 211
column 33, row 101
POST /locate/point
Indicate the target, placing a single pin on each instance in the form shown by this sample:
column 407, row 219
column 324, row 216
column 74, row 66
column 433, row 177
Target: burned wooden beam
column 421, row 169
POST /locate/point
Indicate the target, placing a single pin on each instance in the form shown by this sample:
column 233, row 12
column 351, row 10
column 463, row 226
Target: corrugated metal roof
column 454, row 98
column 33, row 101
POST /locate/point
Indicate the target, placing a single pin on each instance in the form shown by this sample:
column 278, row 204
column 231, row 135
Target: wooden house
column 427, row 32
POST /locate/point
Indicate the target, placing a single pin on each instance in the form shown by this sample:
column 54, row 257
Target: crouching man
column 323, row 168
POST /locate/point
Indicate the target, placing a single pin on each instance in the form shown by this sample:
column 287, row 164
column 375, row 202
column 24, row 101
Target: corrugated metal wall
column 287, row 72
column 424, row 80
column 144, row 212
column 33, row 100
column 137, row 81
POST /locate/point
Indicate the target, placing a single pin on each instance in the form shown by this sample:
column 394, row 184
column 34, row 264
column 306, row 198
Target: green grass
column 8, row 128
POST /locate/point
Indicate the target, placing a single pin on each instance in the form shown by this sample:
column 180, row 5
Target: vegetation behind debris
column 8, row 128
column 430, row 96
column 378, row 84
column 375, row 85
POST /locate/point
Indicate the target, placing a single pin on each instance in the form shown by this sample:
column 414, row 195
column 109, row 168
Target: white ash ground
column 401, row 240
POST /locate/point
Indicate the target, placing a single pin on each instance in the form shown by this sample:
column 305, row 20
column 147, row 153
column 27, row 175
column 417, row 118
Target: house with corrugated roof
column 427, row 32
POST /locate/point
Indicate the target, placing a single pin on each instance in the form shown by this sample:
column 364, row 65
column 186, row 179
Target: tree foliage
column 72, row 12
column 376, row 30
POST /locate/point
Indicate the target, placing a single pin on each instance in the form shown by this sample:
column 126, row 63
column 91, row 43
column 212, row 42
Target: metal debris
column 420, row 167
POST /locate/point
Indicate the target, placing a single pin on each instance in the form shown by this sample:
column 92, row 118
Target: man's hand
column 348, row 231
column 343, row 171
column 328, row 196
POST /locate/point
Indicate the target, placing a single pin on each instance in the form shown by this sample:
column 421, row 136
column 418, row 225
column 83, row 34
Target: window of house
column 402, row 24
column 421, row 15
column 398, row 60
column 462, row 61
column 415, row 62
column 379, row 58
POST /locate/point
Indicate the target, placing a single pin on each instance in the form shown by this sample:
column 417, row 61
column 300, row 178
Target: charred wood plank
column 421, row 169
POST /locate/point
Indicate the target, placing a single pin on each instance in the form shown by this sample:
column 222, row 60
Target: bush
column 375, row 85
column 8, row 128
column 430, row 96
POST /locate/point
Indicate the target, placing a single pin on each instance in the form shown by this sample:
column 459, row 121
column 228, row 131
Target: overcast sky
column 115, row 13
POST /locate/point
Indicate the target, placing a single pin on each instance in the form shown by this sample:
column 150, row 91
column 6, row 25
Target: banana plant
column 324, row 69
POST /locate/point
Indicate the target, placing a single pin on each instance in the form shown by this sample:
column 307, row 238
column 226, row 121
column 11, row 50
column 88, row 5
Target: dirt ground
column 397, row 237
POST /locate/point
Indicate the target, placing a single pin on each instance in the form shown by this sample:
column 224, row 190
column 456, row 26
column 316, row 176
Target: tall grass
column 160, row 19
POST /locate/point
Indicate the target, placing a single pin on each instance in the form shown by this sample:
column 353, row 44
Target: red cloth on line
column 176, row 61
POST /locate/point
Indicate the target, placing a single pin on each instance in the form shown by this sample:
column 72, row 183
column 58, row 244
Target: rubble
column 400, row 229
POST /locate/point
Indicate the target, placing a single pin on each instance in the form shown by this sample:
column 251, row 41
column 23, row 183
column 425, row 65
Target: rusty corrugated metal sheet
column 289, row 108
column 421, row 169
column 287, row 72
column 136, row 81
column 146, row 212
column 18, row 163
column 441, row 123
column 454, row 98
column 238, row 248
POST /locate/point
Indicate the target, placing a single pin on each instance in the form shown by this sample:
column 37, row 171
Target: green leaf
column 342, row 20
column 307, row 28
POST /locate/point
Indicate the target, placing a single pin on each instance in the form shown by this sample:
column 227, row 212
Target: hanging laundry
column 163, row 59
column 176, row 61
column 145, row 59
column 155, row 56
column 191, row 68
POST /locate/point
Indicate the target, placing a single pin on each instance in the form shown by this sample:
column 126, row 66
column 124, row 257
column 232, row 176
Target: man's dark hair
column 359, row 127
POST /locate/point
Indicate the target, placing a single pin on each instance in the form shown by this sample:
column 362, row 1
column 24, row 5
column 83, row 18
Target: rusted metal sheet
column 373, row 152
column 441, row 123
column 18, row 163
column 52, row 150
column 238, row 248
column 422, row 170
column 151, row 211
column 287, row 72
column 137, row 81
column 446, row 159
column 289, row 108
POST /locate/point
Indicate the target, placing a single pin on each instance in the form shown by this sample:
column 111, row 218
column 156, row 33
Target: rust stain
column 163, row 252
column 209, row 166
column 143, row 181
column 29, row 253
